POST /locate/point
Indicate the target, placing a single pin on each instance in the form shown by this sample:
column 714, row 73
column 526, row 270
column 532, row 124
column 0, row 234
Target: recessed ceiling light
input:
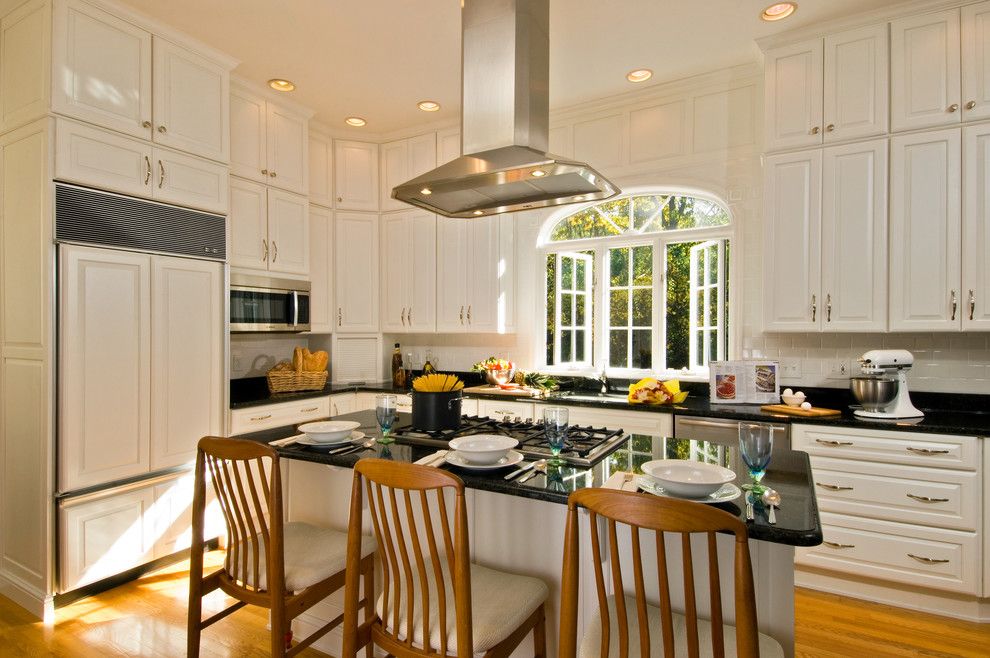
column 639, row 75
column 778, row 11
column 426, row 191
column 357, row 122
column 278, row 84
column 538, row 173
column 479, row 212
column 428, row 106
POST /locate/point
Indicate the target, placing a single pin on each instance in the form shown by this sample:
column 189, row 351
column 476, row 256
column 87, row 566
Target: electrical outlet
column 839, row 369
column 790, row 368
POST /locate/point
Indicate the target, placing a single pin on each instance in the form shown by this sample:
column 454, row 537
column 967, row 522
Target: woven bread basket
column 290, row 381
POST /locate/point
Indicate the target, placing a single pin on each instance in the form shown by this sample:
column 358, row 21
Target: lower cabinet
column 253, row 419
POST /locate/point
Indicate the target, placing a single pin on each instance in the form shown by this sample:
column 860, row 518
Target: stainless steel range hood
column 504, row 122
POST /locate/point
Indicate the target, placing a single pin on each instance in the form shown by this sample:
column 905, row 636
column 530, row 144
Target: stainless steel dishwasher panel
column 723, row 430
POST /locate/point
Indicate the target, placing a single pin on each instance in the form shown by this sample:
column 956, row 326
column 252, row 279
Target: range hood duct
column 505, row 110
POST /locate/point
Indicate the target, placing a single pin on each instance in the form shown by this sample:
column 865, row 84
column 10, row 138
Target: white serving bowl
column 686, row 478
column 793, row 400
column 483, row 448
column 329, row 431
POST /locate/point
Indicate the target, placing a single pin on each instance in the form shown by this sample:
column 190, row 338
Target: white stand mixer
column 891, row 363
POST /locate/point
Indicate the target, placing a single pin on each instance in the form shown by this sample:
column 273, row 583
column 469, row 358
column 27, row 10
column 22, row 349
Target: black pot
column 432, row 412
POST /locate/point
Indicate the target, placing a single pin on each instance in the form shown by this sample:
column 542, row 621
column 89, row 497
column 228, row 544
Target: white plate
column 727, row 493
column 355, row 437
column 329, row 431
column 511, row 458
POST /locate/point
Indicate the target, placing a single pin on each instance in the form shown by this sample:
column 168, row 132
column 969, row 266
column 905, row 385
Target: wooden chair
column 285, row 567
column 469, row 609
column 648, row 630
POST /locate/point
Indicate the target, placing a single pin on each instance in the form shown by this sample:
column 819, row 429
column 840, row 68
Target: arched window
column 638, row 283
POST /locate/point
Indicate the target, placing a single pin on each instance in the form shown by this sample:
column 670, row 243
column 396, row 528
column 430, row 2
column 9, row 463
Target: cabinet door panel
column 856, row 96
column 288, row 145
column 422, row 154
column 356, row 271
column 482, row 275
column 320, row 170
column 320, row 270
column 976, row 61
column 102, row 69
column 792, row 225
column 191, row 102
column 394, row 171
column 396, row 271
column 189, row 181
column 452, row 261
column 186, row 357
column 248, row 141
column 105, row 366
column 248, row 225
column 854, row 237
column 794, row 96
column 449, row 146
column 924, row 70
column 102, row 159
column 925, row 230
column 288, row 232
column 356, row 175
column 976, row 228
column 421, row 315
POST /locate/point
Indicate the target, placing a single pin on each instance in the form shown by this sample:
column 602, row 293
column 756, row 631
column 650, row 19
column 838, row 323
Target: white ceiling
column 377, row 59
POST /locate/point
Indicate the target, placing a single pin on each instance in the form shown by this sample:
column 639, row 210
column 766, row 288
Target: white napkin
column 280, row 443
column 431, row 457
column 622, row 481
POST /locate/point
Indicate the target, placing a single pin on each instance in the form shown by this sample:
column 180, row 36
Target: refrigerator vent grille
column 91, row 217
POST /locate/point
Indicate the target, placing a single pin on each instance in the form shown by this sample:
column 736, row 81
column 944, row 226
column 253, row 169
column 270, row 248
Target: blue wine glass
column 555, row 429
column 385, row 411
column 756, row 446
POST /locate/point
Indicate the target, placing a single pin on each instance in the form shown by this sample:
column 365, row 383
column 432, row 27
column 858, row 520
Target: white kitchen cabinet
column 248, row 221
column 105, row 366
column 266, row 416
column 452, row 265
column 269, row 229
column 320, row 169
column 403, row 160
column 506, row 408
column 269, row 142
column 976, row 228
column 342, row 403
column 856, row 92
column 854, row 237
column 185, row 180
column 356, row 271
column 409, row 281
column 191, row 98
column 102, row 69
column 976, row 61
column 320, row 270
column 187, row 316
column 792, row 239
column 482, row 274
column 924, row 70
column 102, row 159
column 288, row 232
column 248, row 135
column 925, row 220
column 355, row 175
column 793, row 88
column 448, row 145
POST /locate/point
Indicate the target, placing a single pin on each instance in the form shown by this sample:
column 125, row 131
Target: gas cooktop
column 584, row 447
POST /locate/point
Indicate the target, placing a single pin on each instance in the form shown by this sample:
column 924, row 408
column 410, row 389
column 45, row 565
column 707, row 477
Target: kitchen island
column 519, row 527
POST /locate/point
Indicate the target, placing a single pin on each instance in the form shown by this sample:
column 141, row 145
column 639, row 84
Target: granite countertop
column 253, row 392
column 798, row 523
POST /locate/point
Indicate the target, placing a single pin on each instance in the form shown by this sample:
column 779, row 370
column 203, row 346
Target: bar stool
column 469, row 609
column 285, row 567
column 632, row 627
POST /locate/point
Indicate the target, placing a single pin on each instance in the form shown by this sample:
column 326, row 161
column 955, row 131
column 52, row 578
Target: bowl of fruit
column 498, row 372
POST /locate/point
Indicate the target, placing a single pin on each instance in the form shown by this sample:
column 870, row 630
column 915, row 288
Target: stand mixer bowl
column 874, row 393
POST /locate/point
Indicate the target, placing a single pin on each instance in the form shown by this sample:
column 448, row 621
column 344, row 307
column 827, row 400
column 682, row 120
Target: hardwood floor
column 148, row 618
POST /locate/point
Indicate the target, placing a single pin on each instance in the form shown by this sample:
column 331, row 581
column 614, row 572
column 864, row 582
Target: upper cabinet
column 356, row 272
column 321, row 317
column 976, row 227
column 355, row 175
column 409, row 272
column 403, row 160
column 821, row 91
column 320, row 169
column 113, row 74
column 924, row 70
column 269, row 229
column 976, row 61
column 269, row 142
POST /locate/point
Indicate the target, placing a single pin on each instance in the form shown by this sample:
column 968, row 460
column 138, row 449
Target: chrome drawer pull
column 927, row 451
column 834, row 487
column 927, row 499
column 306, row 411
column 833, row 443
column 266, row 417
column 832, row 544
column 926, row 560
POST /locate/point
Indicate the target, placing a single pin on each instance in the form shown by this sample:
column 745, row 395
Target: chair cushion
column 312, row 554
column 500, row 603
column 591, row 643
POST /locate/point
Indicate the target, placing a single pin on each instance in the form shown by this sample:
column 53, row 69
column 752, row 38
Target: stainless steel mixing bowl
column 874, row 393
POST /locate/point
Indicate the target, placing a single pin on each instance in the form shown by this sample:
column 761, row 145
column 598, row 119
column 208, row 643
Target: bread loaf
column 315, row 361
column 298, row 359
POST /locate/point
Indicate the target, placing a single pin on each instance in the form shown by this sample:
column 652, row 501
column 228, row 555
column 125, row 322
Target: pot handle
column 450, row 403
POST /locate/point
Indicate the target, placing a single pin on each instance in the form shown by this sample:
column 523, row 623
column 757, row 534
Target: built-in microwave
column 260, row 304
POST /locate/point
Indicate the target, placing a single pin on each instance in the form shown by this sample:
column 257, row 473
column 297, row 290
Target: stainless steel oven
column 724, row 430
column 263, row 304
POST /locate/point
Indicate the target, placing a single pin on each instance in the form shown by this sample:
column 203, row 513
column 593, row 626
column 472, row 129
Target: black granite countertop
column 253, row 392
column 798, row 523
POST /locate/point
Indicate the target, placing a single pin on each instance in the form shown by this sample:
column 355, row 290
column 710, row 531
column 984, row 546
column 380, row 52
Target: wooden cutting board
column 495, row 390
column 814, row 412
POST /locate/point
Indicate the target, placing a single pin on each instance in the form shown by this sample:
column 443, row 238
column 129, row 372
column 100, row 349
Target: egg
column 800, row 394
column 788, row 391
column 806, row 406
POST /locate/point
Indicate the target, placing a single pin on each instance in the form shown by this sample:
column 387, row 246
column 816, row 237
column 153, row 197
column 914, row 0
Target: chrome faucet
column 603, row 378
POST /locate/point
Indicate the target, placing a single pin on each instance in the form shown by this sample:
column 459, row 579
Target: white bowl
column 686, row 478
column 483, row 448
column 329, row 431
column 793, row 400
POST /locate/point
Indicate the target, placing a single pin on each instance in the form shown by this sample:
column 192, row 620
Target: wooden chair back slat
column 448, row 543
column 392, row 550
column 437, row 570
column 379, row 538
column 400, row 540
column 661, row 515
column 424, row 585
column 250, row 533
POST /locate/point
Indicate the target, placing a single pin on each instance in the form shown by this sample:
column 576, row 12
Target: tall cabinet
column 409, row 272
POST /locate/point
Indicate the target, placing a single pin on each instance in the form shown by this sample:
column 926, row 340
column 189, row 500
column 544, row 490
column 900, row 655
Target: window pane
column 647, row 212
column 677, row 312
column 567, row 274
column 566, row 316
column 618, row 345
column 585, row 224
column 580, row 267
column 651, row 213
column 713, row 347
column 551, row 305
column 579, row 310
column 700, row 346
column 565, row 346
column 700, row 308
column 643, row 266
column 579, row 345
column 712, row 306
column 642, row 307
column 642, row 350
column 712, row 258
column 616, row 212
column 619, row 308
column 619, row 267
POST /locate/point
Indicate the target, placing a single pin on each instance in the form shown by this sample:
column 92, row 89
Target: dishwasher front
column 723, row 430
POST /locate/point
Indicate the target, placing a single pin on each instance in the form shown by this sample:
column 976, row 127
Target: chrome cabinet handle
column 828, row 307
column 469, row 314
column 161, row 174
column 340, row 199
column 833, row 487
column 814, row 307
column 815, row 130
column 926, row 560
column 927, row 499
column 970, row 105
column 955, row 303
column 145, row 124
column 340, row 317
column 972, row 305
column 161, row 129
column 311, row 409
column 462, row 314
column 273, row 174
column 832, row 544
column 952, row 108
column 264, row 172
column 274, row 251
column 264, row 244
column 409, row 316
column 835, row 443
column 927, row 451
column 265, row 417
column 147, row 168
column 403, row 316
column 830, row 127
